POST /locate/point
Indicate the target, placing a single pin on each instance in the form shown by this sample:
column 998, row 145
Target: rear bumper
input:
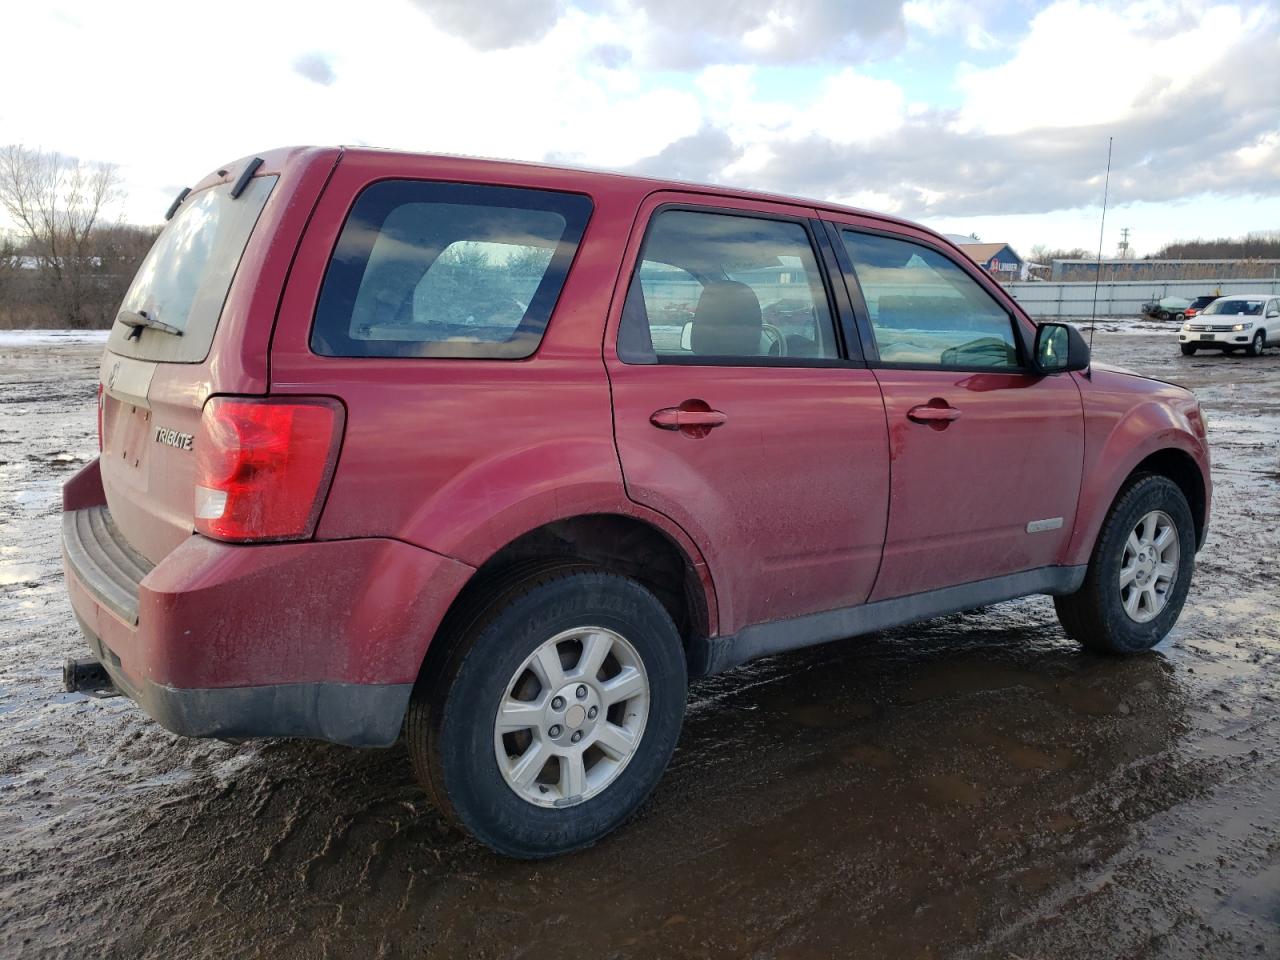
column 354, row 714
column 318, row 639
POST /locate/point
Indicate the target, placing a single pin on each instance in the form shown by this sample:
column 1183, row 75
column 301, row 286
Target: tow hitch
column 87, row 676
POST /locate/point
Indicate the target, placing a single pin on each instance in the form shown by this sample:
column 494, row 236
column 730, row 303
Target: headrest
column 727, row 321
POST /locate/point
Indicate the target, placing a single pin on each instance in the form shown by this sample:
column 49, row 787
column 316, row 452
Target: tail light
column 263, row 467
column 99, row 417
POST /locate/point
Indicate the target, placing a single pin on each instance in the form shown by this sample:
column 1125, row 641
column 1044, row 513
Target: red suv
column 496, row 456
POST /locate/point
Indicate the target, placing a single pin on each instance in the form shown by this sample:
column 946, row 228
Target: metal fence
column 1121, row 298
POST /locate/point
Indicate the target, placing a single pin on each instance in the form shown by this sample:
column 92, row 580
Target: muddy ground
column 971, row 787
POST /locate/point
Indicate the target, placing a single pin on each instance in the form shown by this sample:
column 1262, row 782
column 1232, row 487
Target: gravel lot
column 971, row 787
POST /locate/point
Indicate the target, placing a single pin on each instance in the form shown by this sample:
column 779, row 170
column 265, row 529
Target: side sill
column 718, row 654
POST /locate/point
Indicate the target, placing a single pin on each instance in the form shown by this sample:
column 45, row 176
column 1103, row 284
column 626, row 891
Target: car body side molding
column 718, row 654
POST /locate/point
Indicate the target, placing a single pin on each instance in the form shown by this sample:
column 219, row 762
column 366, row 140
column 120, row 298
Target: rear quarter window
column 425, row 269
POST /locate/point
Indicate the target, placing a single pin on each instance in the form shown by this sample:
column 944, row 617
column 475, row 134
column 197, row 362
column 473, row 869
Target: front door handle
column 937, row 413
column 693, row 418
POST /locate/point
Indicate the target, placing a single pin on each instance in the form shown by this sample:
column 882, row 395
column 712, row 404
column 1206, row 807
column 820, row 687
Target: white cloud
column 168, row 92
column 1082, row 64
column 951, row 18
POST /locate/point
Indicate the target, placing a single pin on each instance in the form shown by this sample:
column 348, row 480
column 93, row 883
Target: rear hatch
column 196, row 322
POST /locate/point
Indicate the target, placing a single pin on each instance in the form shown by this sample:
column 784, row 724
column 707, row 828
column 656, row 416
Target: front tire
column 1139, row 573
column 554, row 712
column 1188, row 349
column 1258, row 343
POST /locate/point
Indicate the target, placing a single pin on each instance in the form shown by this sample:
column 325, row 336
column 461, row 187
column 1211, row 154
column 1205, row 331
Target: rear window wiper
column 137, row 319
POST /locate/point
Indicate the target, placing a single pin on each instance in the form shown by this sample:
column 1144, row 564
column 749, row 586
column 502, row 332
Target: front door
column 738, row 413
column 986, row 454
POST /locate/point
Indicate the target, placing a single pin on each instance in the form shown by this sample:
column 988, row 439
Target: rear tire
column 495, row 663
column 1188, row 349
column 1096, row 615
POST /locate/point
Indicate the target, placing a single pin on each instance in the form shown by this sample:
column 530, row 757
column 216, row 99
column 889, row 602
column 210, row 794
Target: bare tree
column 57, row 204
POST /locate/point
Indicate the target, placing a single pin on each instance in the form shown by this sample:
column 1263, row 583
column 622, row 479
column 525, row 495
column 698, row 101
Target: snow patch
column 36, row 338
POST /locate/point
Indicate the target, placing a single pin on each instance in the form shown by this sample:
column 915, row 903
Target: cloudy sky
column 985, row 117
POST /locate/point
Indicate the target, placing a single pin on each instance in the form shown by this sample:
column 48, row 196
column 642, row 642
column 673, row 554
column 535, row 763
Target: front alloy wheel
column 1149, row 566
column 1139, row 573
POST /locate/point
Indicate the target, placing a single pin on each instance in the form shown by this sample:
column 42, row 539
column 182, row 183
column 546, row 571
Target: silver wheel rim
column 571, row 717
column 1149, row 566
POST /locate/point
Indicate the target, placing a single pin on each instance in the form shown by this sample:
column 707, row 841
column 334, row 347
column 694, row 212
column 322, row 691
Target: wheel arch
column 1180, row 467
column 1164, row 436
column 619, row 543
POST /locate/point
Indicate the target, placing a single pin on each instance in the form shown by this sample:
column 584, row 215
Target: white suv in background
column 1238, row 322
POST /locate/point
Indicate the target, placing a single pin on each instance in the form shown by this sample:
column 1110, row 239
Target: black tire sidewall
column 480, row 797
column 1152, row 493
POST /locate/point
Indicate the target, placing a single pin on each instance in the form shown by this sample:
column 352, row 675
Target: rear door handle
column 673, row 418
column 695, row 422
column 936, row 413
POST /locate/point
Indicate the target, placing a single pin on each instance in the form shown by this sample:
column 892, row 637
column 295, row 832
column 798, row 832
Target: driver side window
column 713, row 286
column 927, row 311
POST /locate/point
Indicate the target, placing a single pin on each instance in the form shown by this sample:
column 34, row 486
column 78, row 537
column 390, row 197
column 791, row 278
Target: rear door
column 986, row 453
column 738, row 411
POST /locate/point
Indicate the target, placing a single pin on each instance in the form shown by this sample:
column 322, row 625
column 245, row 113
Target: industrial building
column 1157, row 270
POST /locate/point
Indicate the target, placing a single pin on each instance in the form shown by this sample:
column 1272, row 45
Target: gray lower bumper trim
column 352, row 714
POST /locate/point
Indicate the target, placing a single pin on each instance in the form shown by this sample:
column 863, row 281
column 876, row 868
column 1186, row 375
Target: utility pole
column 1123, row 245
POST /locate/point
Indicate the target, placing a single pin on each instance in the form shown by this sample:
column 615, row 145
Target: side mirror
column 1060, row 348
column 686, row 337
column 1273, row 313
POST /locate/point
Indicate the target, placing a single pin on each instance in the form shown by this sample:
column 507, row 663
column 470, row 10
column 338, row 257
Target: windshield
column 184, row 280
column 1233, row 308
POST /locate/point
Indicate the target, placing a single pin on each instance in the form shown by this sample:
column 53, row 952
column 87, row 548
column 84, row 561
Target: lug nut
column 591, row 714
column 577, row 735
column 557, row 703
column 582, row 691
column 556, row 730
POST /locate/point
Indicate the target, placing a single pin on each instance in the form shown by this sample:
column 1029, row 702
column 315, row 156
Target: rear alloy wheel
column 554, row 711
column 1188, row 349
column 572, row 717
column 1258, row 343
column 1139, row 573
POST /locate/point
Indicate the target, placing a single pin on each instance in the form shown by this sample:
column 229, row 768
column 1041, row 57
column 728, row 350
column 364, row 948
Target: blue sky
column 990, row 118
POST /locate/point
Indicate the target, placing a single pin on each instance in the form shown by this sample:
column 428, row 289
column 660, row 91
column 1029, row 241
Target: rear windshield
column 184, row 280
column 427, row 269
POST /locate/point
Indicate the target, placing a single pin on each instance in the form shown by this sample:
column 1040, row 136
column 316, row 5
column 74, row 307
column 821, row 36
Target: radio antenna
column 1097, row 276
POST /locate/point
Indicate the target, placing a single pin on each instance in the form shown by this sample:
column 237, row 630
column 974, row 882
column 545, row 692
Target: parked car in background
column 1168, row 308
column 1198, row 304
column 1243, row 321
column 492, row 457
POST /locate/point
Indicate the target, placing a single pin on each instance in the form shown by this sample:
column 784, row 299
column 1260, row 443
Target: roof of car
column 657, row 183
column 1245, row 296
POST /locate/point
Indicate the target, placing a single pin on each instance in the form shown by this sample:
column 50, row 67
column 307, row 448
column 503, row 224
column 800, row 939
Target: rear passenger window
column 427, row 269
column 720, row 286
column 926, row 310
